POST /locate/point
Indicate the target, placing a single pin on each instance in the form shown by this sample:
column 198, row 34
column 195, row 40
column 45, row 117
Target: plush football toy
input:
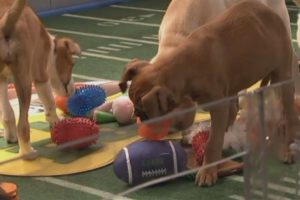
column 75, row 129
column 146, row 160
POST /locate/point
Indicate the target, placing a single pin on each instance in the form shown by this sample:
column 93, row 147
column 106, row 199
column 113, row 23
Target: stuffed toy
column 121, row 108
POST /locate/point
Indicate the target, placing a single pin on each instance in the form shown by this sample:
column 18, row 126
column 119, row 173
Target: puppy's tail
column 10, row 18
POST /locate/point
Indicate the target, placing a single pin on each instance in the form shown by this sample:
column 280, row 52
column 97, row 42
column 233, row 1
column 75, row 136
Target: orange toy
column 10, row 190
column 61, row 103
column 154, row 131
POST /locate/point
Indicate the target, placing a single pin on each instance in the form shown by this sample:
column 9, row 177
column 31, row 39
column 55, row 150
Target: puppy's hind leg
column 7, row 114
column 23, row 88
column 291, row 117
column 292, row 120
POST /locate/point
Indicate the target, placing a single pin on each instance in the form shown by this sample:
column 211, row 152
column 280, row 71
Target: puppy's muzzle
column 141, row 114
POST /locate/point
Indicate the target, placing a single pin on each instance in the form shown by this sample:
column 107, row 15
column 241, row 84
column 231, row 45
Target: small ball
column 61, row 103
column 82, row 132
column 85, row 99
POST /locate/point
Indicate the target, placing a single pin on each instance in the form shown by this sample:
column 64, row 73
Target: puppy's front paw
column 28, row 153
column 207, row 177
column 52, row 118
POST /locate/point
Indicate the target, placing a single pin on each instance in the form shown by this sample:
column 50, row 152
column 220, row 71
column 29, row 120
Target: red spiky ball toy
column 198, row 144
column 82, row 131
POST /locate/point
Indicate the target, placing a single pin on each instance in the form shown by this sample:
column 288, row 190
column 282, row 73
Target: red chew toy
column 154, row 130
column 75, row 130
column 61, row 103
column 199, row 144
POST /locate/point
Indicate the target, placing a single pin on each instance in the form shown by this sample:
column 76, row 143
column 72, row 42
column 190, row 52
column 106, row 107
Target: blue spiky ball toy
column 85, row 99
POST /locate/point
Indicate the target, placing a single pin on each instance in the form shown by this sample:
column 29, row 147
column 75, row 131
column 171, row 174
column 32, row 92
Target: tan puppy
column 29, row 54
column 182, row 17
column 246, row 43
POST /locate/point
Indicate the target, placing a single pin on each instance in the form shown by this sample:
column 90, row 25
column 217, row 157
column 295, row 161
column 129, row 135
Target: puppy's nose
column 142, row 115
column 66, row 88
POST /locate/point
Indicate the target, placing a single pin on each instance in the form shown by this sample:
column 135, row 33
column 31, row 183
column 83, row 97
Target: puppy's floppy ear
column 72, row 47
column 131, row 70
column 158, row 101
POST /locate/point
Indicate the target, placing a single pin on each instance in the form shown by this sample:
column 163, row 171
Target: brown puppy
column 246, row 43
column 28, row 53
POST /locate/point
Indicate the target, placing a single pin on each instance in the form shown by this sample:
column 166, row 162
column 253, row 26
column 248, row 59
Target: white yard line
column 270, row 196
column 149, row 37
column 102, row 36
column 293, row 8
column 98, row 51
column 110, row 20
column 273, row 186
column 294, row 24
column 84, row 53
column 120, row 46
column 132, row 43
column 236, row 197
column 108, row 48
column 137, row 8
column 88, row 78
column 81, row 188
column 290, row 180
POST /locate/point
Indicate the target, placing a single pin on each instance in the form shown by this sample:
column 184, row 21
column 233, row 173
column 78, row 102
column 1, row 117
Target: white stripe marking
column 272, row 186
column 137, row 8
column 129, row 168
column 108, row 48
column 86, row 77
column 79, row 57
column 105, row 57
column 97, row 51
column 293, row 8
column 293, row 24
column 102, row 36
column 269, row 196
column 132, row 43
column 149, row 37
column 236, row 197
column 120, row 46
column 175, row 163
column 110, row 20
column 81, row 188
column 290, row 180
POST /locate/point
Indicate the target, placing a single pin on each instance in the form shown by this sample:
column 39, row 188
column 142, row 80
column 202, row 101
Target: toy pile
column 84, row 111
